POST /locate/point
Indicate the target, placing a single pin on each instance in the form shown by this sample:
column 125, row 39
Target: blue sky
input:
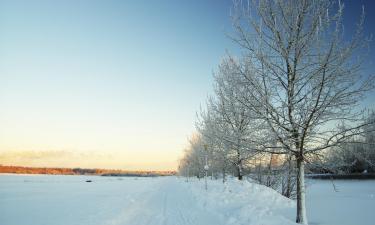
column 120, row 77
column 115, row 81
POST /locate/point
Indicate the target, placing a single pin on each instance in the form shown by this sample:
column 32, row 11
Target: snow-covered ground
column 58, row 200
column 353, row 202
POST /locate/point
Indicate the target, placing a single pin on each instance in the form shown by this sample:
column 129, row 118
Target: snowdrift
column 244, row 202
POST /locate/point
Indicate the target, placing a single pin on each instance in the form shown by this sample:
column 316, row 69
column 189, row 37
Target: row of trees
column 290, row 97
column 355, row 156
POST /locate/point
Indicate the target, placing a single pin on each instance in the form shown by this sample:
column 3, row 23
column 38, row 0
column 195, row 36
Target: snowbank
column 244, row 202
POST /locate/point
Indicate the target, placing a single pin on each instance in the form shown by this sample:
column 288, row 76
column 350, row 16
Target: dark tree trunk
column 239, row 172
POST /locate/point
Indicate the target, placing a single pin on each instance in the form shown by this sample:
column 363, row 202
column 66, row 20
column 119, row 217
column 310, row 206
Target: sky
column 109, row 84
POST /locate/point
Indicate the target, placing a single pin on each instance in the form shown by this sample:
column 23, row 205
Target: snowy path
column 170, row 204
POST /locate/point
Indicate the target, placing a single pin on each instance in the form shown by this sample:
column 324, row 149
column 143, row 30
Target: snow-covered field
column 353, row 202
column 61, row 200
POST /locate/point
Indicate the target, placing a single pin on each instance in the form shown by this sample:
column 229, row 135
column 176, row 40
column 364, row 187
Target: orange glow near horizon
column 66, row 159
column 55, row 140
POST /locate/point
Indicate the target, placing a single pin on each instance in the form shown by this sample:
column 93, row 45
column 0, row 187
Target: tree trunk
column 239, row 171
column 288, row 189
column 239, row 162
column 269, row 172
column 223, row 175
column 301, row 206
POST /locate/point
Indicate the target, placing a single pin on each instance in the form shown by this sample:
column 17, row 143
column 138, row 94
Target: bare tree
column 211, row 130
column 192, row 164
column 300, row 75
column 229, row 122
column 357, row 156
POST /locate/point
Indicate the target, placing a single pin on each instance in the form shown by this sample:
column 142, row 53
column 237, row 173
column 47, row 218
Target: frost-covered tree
column 193, row 162
column 211, row 130
column 357, row 155
column 301, row 75
column 227, row 123
column 369, row 145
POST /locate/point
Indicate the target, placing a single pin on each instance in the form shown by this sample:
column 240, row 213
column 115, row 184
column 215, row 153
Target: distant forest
column 80, row 171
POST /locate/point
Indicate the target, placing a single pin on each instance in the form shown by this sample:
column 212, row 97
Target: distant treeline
column 80, row 171
column 354, row 176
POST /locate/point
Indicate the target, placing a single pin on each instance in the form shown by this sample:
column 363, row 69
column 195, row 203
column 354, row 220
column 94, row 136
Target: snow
column 352, row 204
column 240, row 202
column 58, row 200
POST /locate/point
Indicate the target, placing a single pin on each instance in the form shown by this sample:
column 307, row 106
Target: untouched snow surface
column 353, row 202
column 61, row 200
